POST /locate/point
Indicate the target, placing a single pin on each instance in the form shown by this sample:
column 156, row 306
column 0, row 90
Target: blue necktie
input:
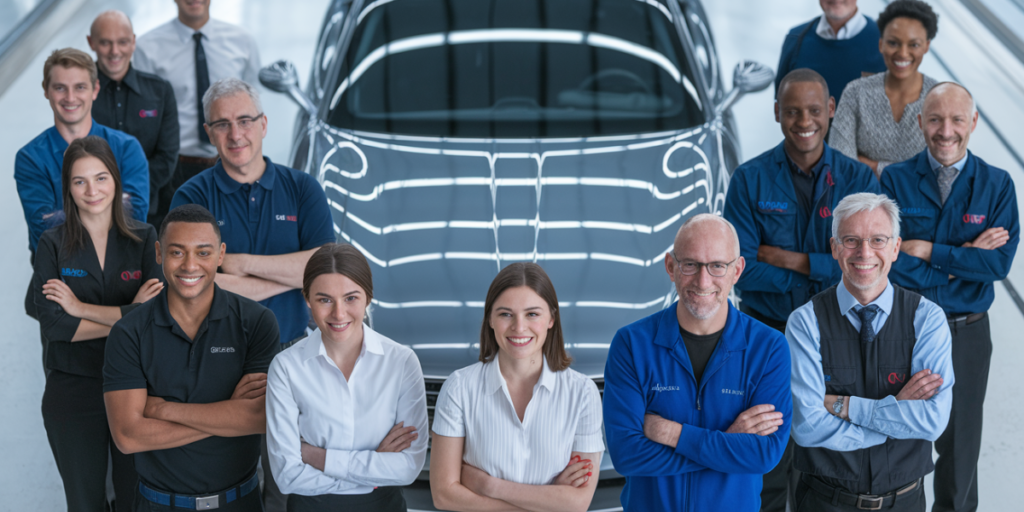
column 202, row 83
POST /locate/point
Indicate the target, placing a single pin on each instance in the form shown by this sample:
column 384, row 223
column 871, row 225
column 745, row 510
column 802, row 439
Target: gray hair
column 229, row 87
column 708, row 217
column 865, row 201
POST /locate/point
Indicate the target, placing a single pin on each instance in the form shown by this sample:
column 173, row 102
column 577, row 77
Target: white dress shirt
column 169, row 52
column 847, row 31
column 563, row 416
column 309, row 398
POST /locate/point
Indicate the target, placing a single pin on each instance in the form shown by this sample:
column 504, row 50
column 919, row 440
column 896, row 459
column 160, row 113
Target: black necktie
column 202, row 83
column 867, row 315
column 874, row 471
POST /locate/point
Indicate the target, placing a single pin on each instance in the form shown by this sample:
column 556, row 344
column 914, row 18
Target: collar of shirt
column 935, row 165
column 826, row 155
column 315, row 347
column 162, row 311
column 60, row 145
column 185, row 32
column 130, row 79
column 496, row 381
column 848, row 305
column 847, row 31
column 228, row 185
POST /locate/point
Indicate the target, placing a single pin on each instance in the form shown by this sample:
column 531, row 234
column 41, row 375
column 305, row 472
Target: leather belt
column 195, row 502
column 198, row 160
column 861, row 501
column 965, row 319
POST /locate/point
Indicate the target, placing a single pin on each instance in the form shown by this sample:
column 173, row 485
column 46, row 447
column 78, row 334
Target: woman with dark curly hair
column 876, row 121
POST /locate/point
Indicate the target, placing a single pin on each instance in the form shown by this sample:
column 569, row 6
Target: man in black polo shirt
column 185, row 378
column 139, row 104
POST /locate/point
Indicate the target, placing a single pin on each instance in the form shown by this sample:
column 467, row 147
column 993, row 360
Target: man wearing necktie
column 872, row 373
column 961, row 227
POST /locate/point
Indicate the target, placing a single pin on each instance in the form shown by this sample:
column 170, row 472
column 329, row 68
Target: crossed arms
column 262, row 277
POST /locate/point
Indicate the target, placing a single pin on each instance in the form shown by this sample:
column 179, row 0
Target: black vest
column 874, row 372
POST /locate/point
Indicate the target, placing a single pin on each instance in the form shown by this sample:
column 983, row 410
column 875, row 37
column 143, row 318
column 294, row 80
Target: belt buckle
column 873, row 502
column 212, row 502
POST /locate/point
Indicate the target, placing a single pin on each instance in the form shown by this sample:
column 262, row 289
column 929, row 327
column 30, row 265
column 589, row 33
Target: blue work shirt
column 37, row 169
column 763, row 206
column 871, row 421
column 982, row 197
column 649, row 371
column 285, row 211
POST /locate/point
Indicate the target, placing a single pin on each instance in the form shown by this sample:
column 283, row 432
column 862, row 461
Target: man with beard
column 872, row 374
column 841, row 44
column 781, row 203
column 696, row 400
column 960, row 220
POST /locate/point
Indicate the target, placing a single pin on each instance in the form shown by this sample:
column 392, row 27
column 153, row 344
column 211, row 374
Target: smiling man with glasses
column 872, row 374
column 271, row 217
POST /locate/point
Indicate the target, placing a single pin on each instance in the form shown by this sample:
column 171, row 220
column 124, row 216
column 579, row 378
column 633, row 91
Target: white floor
column 744, row 29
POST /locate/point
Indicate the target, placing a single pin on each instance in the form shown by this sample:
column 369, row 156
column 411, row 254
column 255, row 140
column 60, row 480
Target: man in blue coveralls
column 697, row 402
column 781, row 203
column 960, row 225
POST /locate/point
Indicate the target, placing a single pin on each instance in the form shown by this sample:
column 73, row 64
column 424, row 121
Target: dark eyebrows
column 101, row 173
column 183, row 246
column 510, row 309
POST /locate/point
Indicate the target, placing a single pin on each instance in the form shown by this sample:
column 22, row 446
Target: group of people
column 202, row 331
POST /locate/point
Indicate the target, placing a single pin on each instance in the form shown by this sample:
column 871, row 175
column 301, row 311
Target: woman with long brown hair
column 519, row 429
column 89, row 271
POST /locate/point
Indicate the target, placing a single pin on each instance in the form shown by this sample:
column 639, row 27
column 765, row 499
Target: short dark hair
column 191, row 213
column 341, row 259
column 802, row 75
column 913, row 9
column 532, row 276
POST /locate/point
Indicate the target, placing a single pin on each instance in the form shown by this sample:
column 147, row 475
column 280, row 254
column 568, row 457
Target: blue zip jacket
column 648, row 371
column 37, row 169
column 762, row 205
column 982, row 197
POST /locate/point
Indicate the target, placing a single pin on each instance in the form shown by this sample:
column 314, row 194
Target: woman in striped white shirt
column 519, row 429
column 346, row 407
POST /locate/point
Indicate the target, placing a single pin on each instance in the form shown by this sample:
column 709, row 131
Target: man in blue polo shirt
column 272, row 218
column 960, row 228
column 696, row 399
column 781, row 203
column 71, row 85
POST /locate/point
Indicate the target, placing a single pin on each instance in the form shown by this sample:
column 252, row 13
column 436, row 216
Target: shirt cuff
column 690, row 439
column 821, row 266
column 588, row 443
column 941, row 254
column 336, row 464
column 862, row 410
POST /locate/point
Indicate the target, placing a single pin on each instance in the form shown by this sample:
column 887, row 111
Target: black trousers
column 76, row 427
column 382, row 499
column 249, row 503
column 183, row 172
column 956, row 470
column 809, row 500
column 779, row 484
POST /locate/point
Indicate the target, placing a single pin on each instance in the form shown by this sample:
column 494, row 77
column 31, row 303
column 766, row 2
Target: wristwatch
column 837, row 406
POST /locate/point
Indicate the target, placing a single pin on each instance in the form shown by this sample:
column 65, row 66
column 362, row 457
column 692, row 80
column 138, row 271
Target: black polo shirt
column 148, row 349
column 143, row 106
column 128, row 264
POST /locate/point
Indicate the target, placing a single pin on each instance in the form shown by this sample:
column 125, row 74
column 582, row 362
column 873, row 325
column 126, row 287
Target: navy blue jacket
column 982, row 197
column 648, row 371
column 763, row 206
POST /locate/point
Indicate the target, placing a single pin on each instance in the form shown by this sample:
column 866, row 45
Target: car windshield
column 515, row 69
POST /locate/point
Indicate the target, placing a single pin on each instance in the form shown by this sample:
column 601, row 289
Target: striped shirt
column 563, row 416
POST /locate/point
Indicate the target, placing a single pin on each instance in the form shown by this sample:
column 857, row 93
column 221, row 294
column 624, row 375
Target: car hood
column 438, row 218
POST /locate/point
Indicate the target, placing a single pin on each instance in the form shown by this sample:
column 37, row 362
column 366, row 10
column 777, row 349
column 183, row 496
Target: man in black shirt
column 185, row 377
column 139, row 104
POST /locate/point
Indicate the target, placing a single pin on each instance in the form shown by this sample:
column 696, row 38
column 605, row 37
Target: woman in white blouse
column 346, row 407
column 519, row 429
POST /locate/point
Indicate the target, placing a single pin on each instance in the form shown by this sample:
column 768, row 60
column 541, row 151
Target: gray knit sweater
column 864, row 123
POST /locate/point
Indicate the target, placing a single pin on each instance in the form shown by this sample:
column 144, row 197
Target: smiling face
column 190, row 253
column 866, row 270
column 520, row 319
column 71, row 94
column 947, row 120
column 804, row 111
column 839, row 10
column 238, row 146
column 338, row 306
column 702, row 295
column 903, row 45
column 92, row 186
column 114, row 43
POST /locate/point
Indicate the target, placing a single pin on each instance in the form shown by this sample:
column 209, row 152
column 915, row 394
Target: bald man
column 697, row 401
column 139, row 104
column 960, row 224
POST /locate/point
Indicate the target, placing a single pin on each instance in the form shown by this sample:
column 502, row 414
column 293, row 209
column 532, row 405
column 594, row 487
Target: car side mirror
column 282, row 77
column 748, row 77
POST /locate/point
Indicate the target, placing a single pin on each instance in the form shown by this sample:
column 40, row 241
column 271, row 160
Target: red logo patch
column 828, row 179
column 292, row 218
column 825, row 212
column 129, row 275
column 973, row 219
column 897, row 377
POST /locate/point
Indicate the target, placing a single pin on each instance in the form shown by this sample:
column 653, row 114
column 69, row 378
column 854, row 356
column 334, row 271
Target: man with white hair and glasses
column 872, row 373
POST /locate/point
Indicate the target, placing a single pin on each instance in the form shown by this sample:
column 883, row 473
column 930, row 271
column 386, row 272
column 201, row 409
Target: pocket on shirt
column 778, row 229
column 918, row 223
column 840, row 380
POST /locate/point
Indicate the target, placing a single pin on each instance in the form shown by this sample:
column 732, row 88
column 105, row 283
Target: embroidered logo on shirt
column 825, row 212
column 917, row 211
column 220, row 223
column 659, row 388
column 73, row 272
column 732, row 391
column 973, row 219
column 222, row 350
column 773, row 206
column 147, row 113
column 289, row 218
column 128, row 275
column 828, row 378
column 897, row 377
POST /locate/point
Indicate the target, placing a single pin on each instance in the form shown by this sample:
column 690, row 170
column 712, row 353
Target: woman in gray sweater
column 876, row 121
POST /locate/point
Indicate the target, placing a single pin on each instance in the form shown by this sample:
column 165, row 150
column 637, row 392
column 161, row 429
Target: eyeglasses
column 244, row 123
column 715, row 268
column 875, row 242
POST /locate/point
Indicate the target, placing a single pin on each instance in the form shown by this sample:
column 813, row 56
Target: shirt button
column 252, row 198
column 119, row 104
